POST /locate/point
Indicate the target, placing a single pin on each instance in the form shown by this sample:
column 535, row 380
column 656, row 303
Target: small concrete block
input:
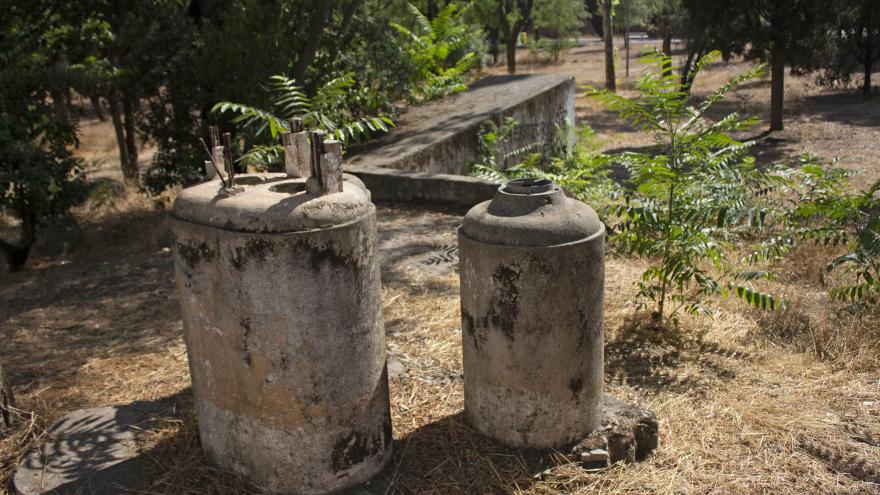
column 91, row 451
column 596, row 458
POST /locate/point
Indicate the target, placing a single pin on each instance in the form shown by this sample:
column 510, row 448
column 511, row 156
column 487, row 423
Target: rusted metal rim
column 528, row 186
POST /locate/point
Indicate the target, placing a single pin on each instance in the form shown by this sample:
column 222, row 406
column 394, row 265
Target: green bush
column 685, row 204
column 438, row 49
column 327, row 111
column 40, row 179
column 824, row 209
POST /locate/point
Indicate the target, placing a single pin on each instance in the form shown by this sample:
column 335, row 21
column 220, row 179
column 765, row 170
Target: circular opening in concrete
column 249, row 180
column 528, row 186
column 289, row 187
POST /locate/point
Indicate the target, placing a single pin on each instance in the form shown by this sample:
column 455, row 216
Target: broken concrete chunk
column 628, row 434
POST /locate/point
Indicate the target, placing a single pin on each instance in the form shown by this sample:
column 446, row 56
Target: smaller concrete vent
column 532, row 274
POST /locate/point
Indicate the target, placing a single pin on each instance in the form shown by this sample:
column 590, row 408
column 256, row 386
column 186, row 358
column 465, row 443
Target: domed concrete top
column 531, row 213
column 269, row 203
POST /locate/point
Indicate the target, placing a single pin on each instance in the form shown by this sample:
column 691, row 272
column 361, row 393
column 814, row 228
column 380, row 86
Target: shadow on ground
column 109, row 292
column 448, row 457
column 95, row 450
column 443, row 457
column 655, row 361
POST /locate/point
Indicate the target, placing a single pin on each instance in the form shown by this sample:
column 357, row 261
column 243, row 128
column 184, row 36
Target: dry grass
column 740, row 411
column 749, row 402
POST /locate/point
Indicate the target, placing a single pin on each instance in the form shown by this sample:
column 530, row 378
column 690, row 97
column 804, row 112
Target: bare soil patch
column 830, row 122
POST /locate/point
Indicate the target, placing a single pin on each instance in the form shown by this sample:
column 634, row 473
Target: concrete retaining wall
column 426, row 157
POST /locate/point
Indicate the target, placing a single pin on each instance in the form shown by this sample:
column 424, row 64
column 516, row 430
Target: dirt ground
column 748, row 402
column 832, row 123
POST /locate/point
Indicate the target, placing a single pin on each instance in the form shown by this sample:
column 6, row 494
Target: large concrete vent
column 281, row 298
column 532, row 273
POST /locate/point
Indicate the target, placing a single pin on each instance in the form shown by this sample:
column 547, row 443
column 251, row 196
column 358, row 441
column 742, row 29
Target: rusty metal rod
column 211, row 159
column 227, row 143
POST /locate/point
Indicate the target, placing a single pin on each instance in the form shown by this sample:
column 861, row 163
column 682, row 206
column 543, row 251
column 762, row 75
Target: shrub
column 686, row 203
column 438, row 50
column 327, row 111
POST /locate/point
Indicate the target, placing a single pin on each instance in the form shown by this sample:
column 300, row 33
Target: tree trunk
column 607, row 30
column 343, row 37
column 17, row 254
column 131, row 173
column 871, row 54
column 7, row 400
column 116, row 115
column 695, row 53
column 316, row 31
column 667, row 36
column 777, row 88
column 626, row 45
column 96, row 106
column 493, row 45
column 511, row 52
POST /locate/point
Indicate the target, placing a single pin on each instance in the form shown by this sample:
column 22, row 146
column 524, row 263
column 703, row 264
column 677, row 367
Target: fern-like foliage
column 688, row 202
column 327, row 111
column 833, row 214
column 820, row 207
column 497, row 165
column 579, row 167
column 437, row 49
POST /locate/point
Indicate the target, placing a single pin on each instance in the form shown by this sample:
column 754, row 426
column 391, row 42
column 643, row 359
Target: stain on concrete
column 586, row 328
column 470, row 329
column 354, row 449
column 576, row 385
column 246, row 324
column 504, row 306
column 256, row 249
column 321, row 256
column 192, row 255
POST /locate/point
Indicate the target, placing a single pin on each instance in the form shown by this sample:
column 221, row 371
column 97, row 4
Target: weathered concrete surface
column 93, row 451
column 281, row 302
column 401, row 185
column 627, row 434
column 440, row 137
column 532, row 273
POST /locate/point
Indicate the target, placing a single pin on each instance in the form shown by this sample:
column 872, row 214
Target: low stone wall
column 388, row 184
column 426, row 157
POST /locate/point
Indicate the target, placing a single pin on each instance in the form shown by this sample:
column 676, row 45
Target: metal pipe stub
column 325, row 174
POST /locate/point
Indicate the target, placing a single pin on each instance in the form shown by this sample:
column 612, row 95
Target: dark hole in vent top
column 249, row 180
column 528, row 186
column 289, row 187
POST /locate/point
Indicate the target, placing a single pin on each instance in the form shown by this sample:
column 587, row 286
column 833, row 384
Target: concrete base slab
column 92, row 451
column 628, row 434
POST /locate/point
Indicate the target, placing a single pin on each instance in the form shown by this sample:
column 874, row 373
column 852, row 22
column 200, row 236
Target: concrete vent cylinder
column 281, row 301
column 532, row 274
